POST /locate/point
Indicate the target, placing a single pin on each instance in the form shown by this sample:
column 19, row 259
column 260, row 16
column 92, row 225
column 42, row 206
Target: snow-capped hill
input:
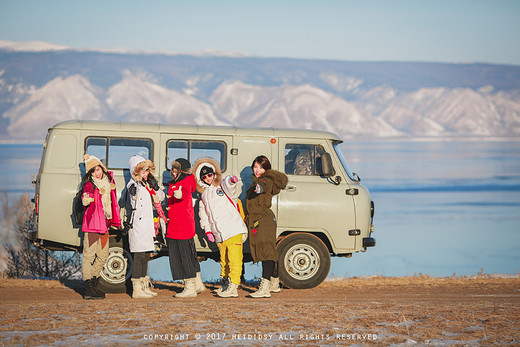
column 466, row 111
column 38, row 89
column 30, row 46
column 138, row 98
column 60, row 99
column 441, row 112
column 288, row 106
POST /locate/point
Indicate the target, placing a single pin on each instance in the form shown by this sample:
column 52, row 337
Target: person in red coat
column 181, row 229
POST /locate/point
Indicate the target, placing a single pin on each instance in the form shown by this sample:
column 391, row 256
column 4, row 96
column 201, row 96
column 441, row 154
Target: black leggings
column 140, row 267
column 269, row 269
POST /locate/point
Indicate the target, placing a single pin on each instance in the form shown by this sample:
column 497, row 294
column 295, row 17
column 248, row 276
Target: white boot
column 138, row 289
column 147, row 285
column 225, row 283
column 263, row 291
column 275, row 285
column 230, row 292
column 189, row 289
column 199, row 285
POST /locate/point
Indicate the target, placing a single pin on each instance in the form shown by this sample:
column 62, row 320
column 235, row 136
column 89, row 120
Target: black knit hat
column 204, row 171
column 185, row 165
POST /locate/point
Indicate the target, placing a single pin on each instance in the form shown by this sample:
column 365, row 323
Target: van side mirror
column 326, row 165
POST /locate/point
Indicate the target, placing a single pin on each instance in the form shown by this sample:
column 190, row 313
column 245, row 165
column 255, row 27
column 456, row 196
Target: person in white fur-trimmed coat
column 143, row 191
column 222, row 221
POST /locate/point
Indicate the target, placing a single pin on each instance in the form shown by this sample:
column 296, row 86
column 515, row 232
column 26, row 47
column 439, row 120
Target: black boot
column 97, row 292
column 90, row 291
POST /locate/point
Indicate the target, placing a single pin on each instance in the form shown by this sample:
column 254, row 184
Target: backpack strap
column 227, row 196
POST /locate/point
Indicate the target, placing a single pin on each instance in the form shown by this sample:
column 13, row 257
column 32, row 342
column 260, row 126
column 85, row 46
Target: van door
column 194, row 147
column 248, row 150
column 311, row 202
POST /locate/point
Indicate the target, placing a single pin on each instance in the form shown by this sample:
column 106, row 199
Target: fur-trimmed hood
column 137, row 163
column 278, row 178
column 201, row 185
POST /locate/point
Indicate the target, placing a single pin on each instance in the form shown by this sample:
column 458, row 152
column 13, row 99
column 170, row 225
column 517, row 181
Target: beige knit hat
column 92, row 161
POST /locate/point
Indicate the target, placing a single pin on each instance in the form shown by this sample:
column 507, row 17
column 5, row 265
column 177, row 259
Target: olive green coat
column 261, row 222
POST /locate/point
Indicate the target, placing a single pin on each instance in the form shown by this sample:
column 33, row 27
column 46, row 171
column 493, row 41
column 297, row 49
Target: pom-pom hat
column 93, row 161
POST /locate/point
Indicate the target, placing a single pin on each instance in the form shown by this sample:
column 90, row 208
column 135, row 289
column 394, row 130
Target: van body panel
column 57, row 187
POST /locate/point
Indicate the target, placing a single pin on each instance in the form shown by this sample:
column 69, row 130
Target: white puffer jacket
column 217, row 214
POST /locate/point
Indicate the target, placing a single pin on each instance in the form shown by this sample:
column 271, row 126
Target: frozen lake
column 443, row 207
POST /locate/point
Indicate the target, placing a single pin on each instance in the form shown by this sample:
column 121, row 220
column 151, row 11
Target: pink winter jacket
column 94, row 220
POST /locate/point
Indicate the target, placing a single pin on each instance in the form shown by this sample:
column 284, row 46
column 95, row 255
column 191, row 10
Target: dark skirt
column 183, row 258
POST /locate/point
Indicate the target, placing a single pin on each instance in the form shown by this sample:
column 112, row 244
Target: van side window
column 116, row 152
column 194, row 150
column 303, row 159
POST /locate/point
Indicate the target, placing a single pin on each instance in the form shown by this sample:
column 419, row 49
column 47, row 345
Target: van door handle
column 290, row 188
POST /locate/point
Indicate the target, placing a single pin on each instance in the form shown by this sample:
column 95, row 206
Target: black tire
column 117, row 269
column 303, row 261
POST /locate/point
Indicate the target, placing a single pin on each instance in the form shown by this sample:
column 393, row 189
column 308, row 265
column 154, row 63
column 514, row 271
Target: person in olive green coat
column 261, row 222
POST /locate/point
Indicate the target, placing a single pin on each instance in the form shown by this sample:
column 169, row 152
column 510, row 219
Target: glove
column 153, row 182
column 258, row 189
column 210, row 236
column 86, row 199
column 234, row 179
column 132, row 189
column 177, row 194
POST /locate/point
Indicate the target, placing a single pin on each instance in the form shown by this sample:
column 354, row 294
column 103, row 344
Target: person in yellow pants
column 231, row 258
column 221, row 220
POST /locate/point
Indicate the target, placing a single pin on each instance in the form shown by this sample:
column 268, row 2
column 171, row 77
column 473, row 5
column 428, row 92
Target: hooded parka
column 261, row 221
column 141, row 234
column 217, row 214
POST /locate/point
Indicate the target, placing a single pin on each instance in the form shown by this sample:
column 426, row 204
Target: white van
column 323, row 211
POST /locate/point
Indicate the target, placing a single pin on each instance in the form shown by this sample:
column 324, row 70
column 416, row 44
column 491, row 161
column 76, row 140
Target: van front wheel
column 303, row 261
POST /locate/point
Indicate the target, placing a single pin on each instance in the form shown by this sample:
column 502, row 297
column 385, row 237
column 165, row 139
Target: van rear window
column 115, row 152
column 194, row 150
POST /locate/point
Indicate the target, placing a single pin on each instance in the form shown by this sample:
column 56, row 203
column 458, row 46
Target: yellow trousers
column 231, row 258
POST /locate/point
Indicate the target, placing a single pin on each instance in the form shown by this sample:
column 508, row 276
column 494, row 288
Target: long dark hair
column 88, row 176
column 263, row 161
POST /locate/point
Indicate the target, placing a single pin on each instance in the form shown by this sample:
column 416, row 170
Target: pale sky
column 485, row 31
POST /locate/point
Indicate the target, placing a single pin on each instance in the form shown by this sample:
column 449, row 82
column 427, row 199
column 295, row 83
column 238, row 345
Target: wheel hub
column 115, row 269
column 302, row 261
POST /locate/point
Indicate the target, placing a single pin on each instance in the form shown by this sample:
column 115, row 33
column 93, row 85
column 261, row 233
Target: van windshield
column 341, row 157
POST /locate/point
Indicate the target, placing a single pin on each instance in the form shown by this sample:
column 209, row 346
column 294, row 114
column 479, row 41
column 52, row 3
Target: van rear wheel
column 117, row 269
column 303, row 261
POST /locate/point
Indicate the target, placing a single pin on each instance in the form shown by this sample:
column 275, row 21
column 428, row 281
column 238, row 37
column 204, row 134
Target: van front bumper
column 369, row 242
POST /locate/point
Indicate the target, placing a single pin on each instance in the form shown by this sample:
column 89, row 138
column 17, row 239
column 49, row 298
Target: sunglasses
column 207, row 176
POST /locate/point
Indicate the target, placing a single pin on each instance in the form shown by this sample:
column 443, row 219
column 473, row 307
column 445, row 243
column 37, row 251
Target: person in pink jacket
column 101, row 212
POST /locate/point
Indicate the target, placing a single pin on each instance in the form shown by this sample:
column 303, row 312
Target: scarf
column 103, row 185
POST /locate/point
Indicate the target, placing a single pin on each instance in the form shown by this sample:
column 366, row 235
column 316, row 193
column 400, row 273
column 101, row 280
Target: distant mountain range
column 42, row 84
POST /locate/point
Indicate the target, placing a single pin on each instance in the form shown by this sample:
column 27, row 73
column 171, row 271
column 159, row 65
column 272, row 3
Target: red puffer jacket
column 180, row 211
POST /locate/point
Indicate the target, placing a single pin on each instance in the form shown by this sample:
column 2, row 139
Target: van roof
column 194, row 129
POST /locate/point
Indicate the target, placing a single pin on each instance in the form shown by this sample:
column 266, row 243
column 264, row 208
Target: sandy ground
column 484, row 310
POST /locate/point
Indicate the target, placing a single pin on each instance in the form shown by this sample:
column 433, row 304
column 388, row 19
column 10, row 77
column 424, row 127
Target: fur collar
column 201, row 185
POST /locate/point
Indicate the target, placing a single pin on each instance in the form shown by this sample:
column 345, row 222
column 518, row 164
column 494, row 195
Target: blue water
column 442, row 207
